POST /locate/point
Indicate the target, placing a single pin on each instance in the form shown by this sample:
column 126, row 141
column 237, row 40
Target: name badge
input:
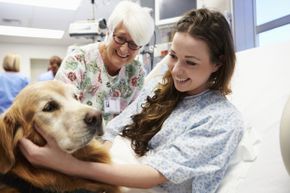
column 112, row 105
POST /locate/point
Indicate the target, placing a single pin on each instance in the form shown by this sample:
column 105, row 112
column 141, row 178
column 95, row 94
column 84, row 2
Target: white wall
column 28, row 52
column 219, row 5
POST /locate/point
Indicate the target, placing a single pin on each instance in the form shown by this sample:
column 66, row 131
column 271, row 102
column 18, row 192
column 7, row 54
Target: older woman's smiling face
column 120, row 54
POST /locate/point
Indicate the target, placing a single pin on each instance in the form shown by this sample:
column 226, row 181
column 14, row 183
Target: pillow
column 244, row 156
column 158, row 71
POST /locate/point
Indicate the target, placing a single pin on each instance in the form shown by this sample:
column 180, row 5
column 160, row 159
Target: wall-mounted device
column 91, row 28
column 169, row 11
column 88, row 28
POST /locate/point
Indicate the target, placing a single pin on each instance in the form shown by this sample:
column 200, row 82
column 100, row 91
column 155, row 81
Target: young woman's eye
column 172, row 56
column 190, row 63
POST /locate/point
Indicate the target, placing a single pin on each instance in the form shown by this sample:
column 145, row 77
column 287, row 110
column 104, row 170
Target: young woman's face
column 118, row 52
column 190, row 64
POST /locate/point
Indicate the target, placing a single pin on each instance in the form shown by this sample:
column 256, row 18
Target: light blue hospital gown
column 193, row 148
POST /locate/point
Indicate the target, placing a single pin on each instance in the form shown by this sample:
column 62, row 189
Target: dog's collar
column 24, row 187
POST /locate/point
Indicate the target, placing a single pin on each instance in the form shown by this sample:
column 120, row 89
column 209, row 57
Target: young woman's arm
column 51, row 156
column 130, row 175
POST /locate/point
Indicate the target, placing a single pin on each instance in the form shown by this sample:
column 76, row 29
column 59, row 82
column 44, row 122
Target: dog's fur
column 52, row 107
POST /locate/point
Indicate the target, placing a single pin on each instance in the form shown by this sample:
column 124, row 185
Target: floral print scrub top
column 194, row 146
column 84, row 68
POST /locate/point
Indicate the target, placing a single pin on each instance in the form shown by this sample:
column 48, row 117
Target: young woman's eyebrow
column 192, row 57
column 187, row 57
column 172, row 51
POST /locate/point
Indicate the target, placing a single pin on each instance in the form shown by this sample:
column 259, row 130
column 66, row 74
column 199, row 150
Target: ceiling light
column 59, row 4
column 30, row 32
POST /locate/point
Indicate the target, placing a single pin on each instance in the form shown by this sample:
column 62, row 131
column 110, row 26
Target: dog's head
column 51, row 106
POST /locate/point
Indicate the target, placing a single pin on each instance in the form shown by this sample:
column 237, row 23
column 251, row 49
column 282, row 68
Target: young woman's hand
column 50, row 155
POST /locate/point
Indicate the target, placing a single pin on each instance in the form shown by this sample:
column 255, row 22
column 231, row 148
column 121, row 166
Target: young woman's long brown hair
column 212, row 28
column 154, row 112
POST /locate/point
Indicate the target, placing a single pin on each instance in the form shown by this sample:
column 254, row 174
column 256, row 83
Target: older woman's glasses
column 122, row 40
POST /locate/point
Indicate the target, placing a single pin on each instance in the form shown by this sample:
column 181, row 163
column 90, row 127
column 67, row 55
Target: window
column 272, row 21
column 276, row 35
column 260, row 22
column 269, row 10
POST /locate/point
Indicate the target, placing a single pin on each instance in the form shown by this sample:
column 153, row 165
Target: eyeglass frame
column 124, row 40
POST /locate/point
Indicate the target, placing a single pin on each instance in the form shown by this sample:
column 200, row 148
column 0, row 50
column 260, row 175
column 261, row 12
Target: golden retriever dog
column 49, row 105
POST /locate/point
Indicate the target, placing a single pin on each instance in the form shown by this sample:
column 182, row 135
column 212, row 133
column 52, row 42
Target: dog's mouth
column 85, row 140
column 35, row 136
column 76, row 143
column 69, row 150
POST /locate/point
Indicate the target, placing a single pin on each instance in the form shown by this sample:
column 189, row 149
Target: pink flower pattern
column 72, row 76
column 85, row 69
column 134, row 81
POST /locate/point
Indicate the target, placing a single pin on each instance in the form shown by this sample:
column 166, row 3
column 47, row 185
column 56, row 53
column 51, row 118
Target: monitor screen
column 169, row 11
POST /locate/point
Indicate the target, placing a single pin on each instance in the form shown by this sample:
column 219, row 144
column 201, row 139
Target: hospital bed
column 261, row 87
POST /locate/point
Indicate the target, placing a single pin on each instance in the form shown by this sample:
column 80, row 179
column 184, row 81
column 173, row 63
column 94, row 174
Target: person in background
column 11, row 81
column 184, row 129
column 106, row 74
column 54, row 64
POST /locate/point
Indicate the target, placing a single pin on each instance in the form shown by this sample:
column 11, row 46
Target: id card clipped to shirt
column 112, row 105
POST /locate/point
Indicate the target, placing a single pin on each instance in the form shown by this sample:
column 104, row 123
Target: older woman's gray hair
column 11, row 63
column 136, row 19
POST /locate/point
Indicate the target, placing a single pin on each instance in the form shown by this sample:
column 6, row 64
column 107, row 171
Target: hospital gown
column 194, row 146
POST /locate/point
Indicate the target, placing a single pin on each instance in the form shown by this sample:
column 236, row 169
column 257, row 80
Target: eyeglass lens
column 122, row 40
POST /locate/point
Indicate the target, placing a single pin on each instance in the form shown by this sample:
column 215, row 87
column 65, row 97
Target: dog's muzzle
column 93, row 120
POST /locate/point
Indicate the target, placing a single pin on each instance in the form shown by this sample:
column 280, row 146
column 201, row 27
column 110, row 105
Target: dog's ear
column 9, row 127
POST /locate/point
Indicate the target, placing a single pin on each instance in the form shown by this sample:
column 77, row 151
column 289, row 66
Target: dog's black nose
column 94, row 120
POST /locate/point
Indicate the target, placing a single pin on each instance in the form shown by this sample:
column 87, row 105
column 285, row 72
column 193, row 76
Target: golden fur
column 51, row 106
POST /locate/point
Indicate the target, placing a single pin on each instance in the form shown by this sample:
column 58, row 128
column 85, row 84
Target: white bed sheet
column 267, row 174
column 261, row 87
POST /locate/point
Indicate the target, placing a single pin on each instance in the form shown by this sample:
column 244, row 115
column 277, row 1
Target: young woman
column 107, row 72
column 184, row 129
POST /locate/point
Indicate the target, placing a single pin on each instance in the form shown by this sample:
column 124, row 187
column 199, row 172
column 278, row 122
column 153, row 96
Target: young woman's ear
column 218, row 64
column 216, row 67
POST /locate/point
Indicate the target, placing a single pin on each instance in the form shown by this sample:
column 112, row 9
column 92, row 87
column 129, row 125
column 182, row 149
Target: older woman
column 106, row 75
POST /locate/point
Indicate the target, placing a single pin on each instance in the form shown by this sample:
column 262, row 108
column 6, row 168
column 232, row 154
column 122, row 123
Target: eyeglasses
column 122, row 40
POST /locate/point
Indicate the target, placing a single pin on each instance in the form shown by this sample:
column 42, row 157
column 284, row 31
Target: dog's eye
column 50, row 106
